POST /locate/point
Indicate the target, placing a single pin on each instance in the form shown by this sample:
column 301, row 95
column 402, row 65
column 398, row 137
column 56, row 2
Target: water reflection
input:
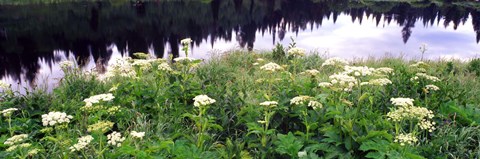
column 33, row 38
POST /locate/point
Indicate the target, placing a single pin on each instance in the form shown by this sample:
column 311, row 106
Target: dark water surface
column 35, row 38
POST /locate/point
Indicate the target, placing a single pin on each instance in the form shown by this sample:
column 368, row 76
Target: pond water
column 34, row 38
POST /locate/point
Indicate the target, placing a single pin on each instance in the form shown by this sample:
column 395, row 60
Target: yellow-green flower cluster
column 8, row 112
column 82, row 143
column 325, row 84
column 335, row 61
column 182, row 59
column 14, row 147
column 120, row 67
column 33, row 152
column 186, row 41
column 427, row 125
column 404, row 139
column 53, row 118
column 380, row 82
column 203, row 100
column 113, row 110
column 100, row 126
column 402, row 101
column 115, row 139
column 296, row 52
column 271, row 67
column 383, row 71
column 4, row 86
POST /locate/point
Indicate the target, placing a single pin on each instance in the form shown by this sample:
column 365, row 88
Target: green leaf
column 288, row 144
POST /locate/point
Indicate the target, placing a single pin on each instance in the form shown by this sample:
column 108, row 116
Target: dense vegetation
column 279, row 104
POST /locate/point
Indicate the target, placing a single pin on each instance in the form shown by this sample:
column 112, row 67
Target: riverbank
column 279, row 104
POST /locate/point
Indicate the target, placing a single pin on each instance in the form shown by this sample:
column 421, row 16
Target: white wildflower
column 402, row 101
column 427, row 125
column 139, row 135
column 312, row 72
column 301, row 154
column 383, row 70
column 53, row 118
column 335, row 62
column 165, row 67
column 181, row 59
column 425, row 76
column 101, row 126
column 271, row 67
column 404, row 139
column 296, row 52
column 358, row 70
column 8, row 112
column 115, row 139
column 380, row 82
column 33, row 152
column 432, row 87
column 82, row 143
column 325, row 84
column 299, row 100
column 315, row 105
column 142, row 64
column 186, row 41
column 269, row 103
column 4, row 86
column 203, row 100
column 98, row 98
column 66, row 64
column 260, row 60
column 16, row 139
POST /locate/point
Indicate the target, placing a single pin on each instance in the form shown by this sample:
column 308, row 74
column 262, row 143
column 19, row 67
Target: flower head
column 4, row 85
column 181, row 59
column 296, row 52
column 404, row 139
column 82, row 143
column 101, row 126
column 402, row 101
column 380, row 82
column 139, row 135
column 432, row 87
column 115, row 139
column 16, row 139
column 8, row 112
column 299, row 100
column 66, row 64
column 98, row 98
column 203, row 100
column 271, row 67
column 165, row 67
column 312, row 72
column 53, row 118
column 335, row 61
column 269, row 103
column 186, row 41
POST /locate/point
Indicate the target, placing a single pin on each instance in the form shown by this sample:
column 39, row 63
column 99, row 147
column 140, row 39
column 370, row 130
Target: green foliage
column 474, row 66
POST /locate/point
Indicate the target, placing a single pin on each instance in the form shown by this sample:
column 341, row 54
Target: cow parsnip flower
column 82, row 143
column 335, row 61
column 315, row 105
column 203, row 100
column 4, row 86
column 380, row 82
column 271, row 67
column 325, row 84
column 269, row 103
column 54, row 118
column 139, row 135
column 296, row 52
column 402, row 101
column 299, row 100
column 8, row 112
column 66, row 64
column 16, row 139
column 428, row 125
column 115, row 139
column 98, row 98
column 432, row 87
column 312, row 72
column 186, row 41
column 100, row 126
column 165, row 67
column 425, row 76
column 358, row 71
column 405, row 139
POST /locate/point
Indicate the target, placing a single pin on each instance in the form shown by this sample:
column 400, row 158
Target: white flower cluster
column 425, row 76
column 269, row 103
column 8, row 112
column 296, row 52
column 404, row 139
column 139, row 135
column 426, row 125
column 315, row 105
column 115, row 139
column 33, row 152
column 383, row 70
column 14, row 147
column 15, row 139
column 165, row 67
column 120, row 67
column 380, row 82
column 299, row 100
column 301, row 154
column 325, row 84
column 4, row 86
column 144, row 65
column 402, row 101
column 203, row 100
column 66, row 64
column 335, row 62
column 82, row 143
column 420, row 64
column 358, row 71
column 186, row 41
column 432, row 87
column 271, row 67
column 344, row 81
column 181, row 59
column 98, row 98
column 53, row 118
column 312, row 72
column 409, row 112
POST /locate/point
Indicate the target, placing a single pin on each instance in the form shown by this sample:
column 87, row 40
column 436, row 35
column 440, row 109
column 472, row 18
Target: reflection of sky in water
column 342, row 39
